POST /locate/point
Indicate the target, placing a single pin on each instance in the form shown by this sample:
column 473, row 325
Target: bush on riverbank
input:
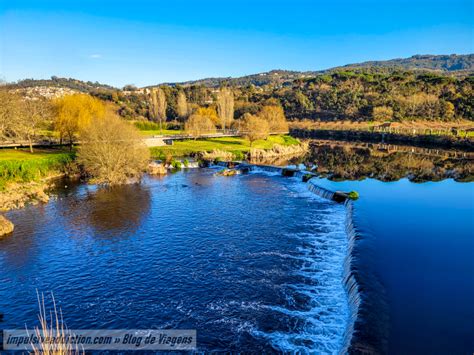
column 113, row 152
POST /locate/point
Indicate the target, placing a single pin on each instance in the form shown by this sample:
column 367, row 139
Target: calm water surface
column 254, row 263
column 418, row 248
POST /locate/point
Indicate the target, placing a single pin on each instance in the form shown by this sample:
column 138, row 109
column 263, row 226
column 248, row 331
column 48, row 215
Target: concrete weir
column 366, row 331
column 306, row 176
column 361, row 336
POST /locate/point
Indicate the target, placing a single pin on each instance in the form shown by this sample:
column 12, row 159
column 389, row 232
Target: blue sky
column 147, row 42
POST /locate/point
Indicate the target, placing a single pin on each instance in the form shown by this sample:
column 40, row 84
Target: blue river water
column 417, row 250
column 252, row 262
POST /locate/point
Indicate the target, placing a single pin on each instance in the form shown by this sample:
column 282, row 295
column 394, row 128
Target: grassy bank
column 236, row 145
column 18, row 165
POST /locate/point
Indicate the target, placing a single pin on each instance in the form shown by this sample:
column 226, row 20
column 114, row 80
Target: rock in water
column 6, row 226
column 155, row 168
column 227, row 172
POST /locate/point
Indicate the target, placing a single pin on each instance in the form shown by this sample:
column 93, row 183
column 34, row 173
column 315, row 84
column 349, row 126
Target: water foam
column 319, row 278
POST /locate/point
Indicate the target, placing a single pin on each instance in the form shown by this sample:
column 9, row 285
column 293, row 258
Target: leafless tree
column 198, row 125
column 9, row 111
column 157, row 105
column 112, row 151
column 34, row 114
column 254, row 128
column 182, row 105
column 225, row 107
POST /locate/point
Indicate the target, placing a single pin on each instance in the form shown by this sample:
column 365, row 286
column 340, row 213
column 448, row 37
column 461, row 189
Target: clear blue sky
column 146, row 42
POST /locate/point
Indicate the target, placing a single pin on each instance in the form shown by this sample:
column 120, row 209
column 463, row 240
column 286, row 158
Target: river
column 253, row 263
column 256, row 262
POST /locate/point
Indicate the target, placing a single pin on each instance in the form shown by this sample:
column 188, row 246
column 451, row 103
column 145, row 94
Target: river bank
column 25, row 177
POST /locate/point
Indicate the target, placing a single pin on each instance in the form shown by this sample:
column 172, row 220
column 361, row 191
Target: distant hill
column 261, row 79
column 453, row 65
column 458, row 65
column 69, row 83
column 448, row 63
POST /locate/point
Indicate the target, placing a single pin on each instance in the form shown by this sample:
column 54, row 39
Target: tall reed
column 55, row 328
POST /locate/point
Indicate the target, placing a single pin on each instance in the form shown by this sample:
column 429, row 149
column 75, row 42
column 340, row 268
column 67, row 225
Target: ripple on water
column 253, row 262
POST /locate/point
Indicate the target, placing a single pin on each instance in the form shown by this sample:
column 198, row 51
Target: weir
column 367, row 328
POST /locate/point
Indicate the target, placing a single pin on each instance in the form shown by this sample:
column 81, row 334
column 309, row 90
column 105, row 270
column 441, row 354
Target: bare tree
column 198, row 125
column 225, row 107
column 157, row 105
column 275, row 117
column 21, row 117
column 112, row 151
column 182, row 105
column 254, row 128
column 9, row 111
column 33, row 116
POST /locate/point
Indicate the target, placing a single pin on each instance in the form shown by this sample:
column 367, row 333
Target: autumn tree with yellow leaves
column 209, row 112
column 75, row 113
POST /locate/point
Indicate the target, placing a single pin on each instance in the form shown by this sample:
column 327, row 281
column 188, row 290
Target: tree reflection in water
column 118, row 208
column 353, row 161
column 108, row 211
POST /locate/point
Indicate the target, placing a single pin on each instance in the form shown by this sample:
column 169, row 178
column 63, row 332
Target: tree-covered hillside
column 455, row 65
column 448, row 63
column 370, row 91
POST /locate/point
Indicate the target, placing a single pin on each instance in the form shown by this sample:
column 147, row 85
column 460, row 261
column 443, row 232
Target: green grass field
column 19, row 165
column 24, row 154
column 231, row 144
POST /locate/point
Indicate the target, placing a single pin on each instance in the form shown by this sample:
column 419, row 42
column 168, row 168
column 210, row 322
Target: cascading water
column 360, row 336
column 320, row 191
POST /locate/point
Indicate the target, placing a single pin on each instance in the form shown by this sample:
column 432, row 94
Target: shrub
column 382, row 113
column 112, row 151
column 353, row 195
column 149, row 126
column 176, row 164
column 239, row 155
